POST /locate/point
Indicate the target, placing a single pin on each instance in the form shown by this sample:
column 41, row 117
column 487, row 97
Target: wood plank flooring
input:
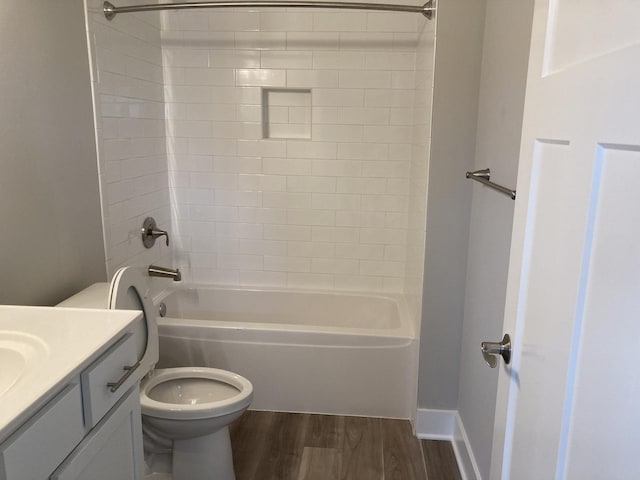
column 299, row 446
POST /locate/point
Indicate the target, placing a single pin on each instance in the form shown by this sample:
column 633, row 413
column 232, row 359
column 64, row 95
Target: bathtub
column 316, row 352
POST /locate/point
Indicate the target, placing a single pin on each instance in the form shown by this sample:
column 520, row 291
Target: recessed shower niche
column 286, row 113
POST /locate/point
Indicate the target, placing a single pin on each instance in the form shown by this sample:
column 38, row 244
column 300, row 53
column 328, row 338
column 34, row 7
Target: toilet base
column 204, row 458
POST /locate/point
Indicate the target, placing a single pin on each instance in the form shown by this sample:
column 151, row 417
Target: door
column 568, row 406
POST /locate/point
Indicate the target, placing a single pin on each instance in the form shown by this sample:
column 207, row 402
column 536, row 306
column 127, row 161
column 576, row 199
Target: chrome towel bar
column 428, row 9
column 484, row 176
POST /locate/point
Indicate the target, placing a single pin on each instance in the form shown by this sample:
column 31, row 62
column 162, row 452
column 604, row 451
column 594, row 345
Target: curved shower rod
column 428, row 9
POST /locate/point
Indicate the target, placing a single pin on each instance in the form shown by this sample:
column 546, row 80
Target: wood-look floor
column 298, row 446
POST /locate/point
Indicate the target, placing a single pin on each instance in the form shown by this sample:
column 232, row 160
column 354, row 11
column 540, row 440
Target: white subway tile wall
column 334, row 204
column 128, row 90
column 337, row 204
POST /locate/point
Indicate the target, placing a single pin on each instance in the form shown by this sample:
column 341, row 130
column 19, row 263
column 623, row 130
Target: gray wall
column 457, row 74
column 502, row 87
column 51, row 241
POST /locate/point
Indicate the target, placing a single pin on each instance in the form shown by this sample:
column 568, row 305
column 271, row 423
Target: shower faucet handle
column 150, row 232
column 156, row 232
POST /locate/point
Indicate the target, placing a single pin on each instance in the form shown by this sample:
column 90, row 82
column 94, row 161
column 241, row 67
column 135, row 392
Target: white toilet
column 192, row 406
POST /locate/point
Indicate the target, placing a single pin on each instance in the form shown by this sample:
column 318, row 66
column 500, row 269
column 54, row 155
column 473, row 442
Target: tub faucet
column 155, row 271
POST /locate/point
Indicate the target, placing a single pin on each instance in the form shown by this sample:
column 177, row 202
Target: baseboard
column 435, row 424
column 447, row 425
column 464, row 454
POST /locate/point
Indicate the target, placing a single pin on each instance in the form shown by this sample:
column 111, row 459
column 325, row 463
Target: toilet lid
column 130, row 289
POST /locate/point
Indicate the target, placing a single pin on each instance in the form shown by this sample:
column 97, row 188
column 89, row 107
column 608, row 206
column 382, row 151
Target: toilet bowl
column 190, row 406
column 193, row 407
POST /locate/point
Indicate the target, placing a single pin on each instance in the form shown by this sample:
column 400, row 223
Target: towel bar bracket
column 484, row 176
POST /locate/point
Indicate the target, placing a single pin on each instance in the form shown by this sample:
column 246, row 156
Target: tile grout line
column 424, row 460
column 382, row 448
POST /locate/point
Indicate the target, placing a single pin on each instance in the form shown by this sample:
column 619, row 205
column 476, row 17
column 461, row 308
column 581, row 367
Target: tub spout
column 155, row 271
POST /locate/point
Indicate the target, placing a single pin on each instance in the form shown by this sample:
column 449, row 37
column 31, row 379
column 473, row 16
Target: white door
column 569, row 404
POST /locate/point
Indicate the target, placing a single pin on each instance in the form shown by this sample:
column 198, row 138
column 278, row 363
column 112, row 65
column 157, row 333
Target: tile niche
column 286, row 113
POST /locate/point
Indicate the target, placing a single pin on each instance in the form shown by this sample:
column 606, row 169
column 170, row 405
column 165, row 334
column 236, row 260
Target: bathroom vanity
column 69, row 401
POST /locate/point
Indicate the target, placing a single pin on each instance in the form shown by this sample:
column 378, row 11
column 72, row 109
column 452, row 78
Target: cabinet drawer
column 27, row 456
column 98, row 396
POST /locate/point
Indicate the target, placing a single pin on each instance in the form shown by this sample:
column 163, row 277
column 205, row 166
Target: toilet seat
column 151, row 405
column 130, row 289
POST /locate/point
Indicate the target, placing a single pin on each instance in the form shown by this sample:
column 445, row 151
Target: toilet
column 190, row 406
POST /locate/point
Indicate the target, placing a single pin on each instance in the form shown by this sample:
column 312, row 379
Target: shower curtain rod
column 428, row 9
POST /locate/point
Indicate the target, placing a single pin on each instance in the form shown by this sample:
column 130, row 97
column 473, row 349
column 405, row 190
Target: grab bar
column 484, row 176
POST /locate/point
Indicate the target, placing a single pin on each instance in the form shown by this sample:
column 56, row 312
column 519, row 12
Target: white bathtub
column 303, row 351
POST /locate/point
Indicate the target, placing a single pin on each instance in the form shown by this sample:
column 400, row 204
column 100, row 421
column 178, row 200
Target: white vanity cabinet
column 88, row 430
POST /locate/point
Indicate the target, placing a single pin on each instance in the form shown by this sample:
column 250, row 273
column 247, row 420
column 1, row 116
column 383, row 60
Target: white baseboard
column 447, row 425
column 464, row 454
column 435, row 424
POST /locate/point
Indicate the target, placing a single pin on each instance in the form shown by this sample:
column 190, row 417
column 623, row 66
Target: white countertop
column 48, row 345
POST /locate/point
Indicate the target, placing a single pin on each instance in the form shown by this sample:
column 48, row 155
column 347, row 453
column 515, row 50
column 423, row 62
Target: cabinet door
column 112, row 450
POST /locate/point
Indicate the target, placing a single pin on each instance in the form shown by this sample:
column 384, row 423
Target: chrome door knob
column 491, row 350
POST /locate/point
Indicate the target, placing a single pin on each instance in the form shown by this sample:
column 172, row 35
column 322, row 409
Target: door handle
column 491, row 350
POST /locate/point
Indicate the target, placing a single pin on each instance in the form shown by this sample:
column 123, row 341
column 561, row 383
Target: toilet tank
column 97, row 296
column 94, row 296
